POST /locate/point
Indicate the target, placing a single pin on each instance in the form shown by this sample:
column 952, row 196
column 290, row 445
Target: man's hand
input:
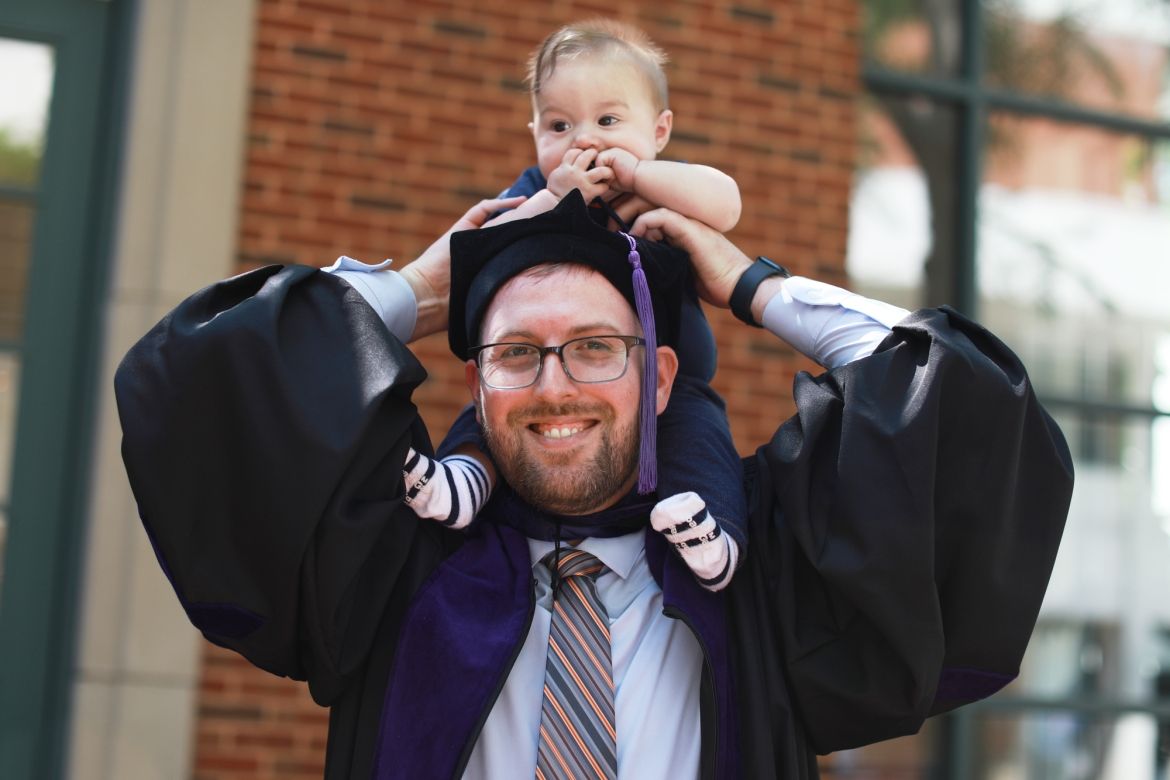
column 574, row 173
column 429, row 276
column 629, row 207
column 624, row 166
column 718, row 263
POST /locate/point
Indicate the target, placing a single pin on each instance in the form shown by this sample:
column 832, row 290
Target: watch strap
column 745, row 289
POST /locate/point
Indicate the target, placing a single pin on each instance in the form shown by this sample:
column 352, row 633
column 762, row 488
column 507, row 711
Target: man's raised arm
column 259, row 418
column 826, row 323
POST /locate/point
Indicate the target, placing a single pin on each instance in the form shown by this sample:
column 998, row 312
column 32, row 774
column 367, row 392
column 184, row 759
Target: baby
column 600, row 119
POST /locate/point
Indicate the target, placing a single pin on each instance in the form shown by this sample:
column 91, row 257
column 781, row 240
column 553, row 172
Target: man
column 903, row 524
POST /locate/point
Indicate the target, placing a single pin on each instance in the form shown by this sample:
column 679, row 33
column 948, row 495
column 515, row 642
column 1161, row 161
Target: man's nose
column 553, row 382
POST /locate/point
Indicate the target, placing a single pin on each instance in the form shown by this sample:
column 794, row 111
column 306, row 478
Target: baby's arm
column 538, row 203
column 697, row 191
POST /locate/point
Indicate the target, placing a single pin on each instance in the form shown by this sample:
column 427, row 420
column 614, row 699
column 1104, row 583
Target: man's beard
column 564, row 489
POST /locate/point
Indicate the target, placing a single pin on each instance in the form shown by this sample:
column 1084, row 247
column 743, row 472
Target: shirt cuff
column 387, row 293
column 828, row 324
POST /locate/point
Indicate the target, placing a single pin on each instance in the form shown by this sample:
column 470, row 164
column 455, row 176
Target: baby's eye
column 558, row 125
column 607, row 120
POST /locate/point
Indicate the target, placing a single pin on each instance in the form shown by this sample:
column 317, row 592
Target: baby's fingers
column 599, row 174
column 584, row 158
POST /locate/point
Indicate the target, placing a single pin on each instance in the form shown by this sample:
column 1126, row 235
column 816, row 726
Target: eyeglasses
column 590, row 359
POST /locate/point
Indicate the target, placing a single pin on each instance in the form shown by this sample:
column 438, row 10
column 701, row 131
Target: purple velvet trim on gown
column 457, row 640
column 217, row 620
column 463, row 630
column 958, row 685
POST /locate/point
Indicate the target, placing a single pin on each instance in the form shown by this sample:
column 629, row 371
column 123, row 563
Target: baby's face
column 597, row 101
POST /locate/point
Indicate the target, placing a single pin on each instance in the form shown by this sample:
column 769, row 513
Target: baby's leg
column 451, row 490
column 709, row 553
column 697, row 456
column 454, row 488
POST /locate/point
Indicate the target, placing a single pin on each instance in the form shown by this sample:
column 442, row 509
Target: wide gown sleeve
column 905, row 523
column 265, row 421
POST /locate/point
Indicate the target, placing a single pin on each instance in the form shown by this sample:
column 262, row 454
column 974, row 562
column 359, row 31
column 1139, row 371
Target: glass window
column 913, row 36
column 1160, row 434
column 1069, row 745
column 1107, row 55
column 1072, row 274
column 1069, row 659
column 24, row 110
column 1072, row 261
column 9, row 382
column 16, row 223
column 901, row 218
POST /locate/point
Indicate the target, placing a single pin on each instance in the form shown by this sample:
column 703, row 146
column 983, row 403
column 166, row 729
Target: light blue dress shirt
column 656, row 670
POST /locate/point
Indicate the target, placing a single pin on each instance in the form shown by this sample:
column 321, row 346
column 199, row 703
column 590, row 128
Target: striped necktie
column 577, row 737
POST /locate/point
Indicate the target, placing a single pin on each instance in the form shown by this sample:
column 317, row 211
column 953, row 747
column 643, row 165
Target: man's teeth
column 560, row 433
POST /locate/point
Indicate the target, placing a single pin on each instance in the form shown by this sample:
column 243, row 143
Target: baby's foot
column 452, row 490
column 685, row 522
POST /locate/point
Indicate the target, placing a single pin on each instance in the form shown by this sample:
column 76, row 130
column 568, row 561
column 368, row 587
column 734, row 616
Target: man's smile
column 561, row 426
column 561, row 430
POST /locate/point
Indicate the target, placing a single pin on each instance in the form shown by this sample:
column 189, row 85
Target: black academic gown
column 903, row 523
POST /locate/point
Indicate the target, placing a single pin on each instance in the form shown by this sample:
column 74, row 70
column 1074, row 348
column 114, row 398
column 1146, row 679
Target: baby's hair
column 598, row 36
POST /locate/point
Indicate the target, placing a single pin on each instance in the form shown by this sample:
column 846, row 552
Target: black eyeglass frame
column 629, row 341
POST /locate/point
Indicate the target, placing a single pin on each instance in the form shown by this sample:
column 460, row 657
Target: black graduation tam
column 650, row 275
column 483, row 260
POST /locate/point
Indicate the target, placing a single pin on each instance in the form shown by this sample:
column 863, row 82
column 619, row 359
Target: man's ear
column 667, row 370
column 662, row 129
column 471, row 377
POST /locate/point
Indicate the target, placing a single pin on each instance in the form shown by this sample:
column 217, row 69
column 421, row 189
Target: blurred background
column 1008, row 157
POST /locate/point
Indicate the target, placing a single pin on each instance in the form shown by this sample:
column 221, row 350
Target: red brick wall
column 374, row 124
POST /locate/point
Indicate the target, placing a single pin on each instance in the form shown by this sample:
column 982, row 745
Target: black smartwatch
column 749, row 282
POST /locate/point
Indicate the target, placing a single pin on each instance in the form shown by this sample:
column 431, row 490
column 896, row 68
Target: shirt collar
column 618, row 553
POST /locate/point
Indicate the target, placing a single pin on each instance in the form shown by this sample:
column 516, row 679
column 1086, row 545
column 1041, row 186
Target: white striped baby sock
column 451, row 490
column 685, row 522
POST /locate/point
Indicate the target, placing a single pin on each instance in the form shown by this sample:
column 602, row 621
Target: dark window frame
column 68, row 276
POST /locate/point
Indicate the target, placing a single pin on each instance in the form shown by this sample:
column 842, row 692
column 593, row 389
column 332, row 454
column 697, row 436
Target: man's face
column 564, row 446
column 597, row 101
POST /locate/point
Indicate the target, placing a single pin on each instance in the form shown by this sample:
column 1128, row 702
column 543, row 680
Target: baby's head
column 598, row 84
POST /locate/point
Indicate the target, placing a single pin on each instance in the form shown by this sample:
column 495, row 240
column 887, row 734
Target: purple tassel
column 648, row 454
